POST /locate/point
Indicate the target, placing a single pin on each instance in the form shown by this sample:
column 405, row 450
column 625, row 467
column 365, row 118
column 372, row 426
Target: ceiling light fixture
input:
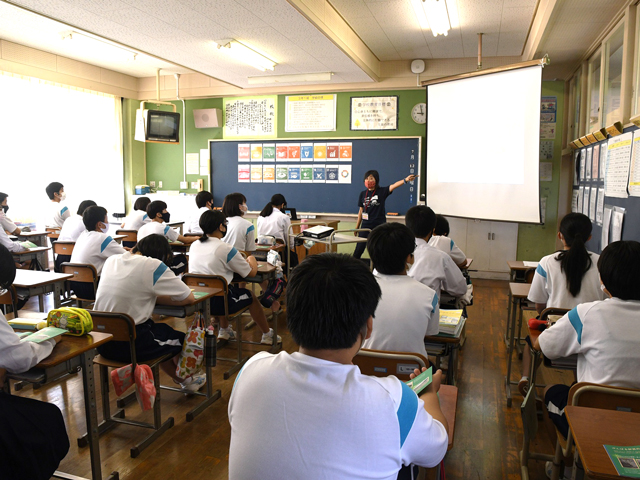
column 432, row 14
column 293, row 78
column 91, row 43
column 247, row 55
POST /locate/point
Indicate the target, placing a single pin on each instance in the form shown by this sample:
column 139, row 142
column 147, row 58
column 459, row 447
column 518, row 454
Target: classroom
column 512, row 120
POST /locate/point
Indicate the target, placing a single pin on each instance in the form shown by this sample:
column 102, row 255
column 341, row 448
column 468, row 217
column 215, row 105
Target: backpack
column 77, row 321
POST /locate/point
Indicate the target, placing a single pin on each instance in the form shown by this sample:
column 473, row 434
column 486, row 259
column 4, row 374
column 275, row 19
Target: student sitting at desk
column 132, row 283
column 210, row 255
column 138, row 217
column 10, row 244
column 5, row 222
column 33, row 437
column 240, row 232
column 58, row 213
column 74, row 225
column 94, row 246
column 431, row 266
column 204, row 201
column 312, row 414
column 440, row 240
column 408, row 310
column 272, row 221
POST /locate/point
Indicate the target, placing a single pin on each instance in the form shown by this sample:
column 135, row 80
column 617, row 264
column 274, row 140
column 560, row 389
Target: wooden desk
column 176, row 224
column 31, row 254
column 70, row 353
column 517, row 292
column 41, row 283
column 515, row 267
column 118, row 238
column 467, row 264
column 592, row 428
column 448, row 345
column 40, row 239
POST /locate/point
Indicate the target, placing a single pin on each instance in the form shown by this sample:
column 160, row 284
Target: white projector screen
column 483, row 140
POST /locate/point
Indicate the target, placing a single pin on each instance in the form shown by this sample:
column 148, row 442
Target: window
column 594, row 122
column 613, row 78
column 53, row 132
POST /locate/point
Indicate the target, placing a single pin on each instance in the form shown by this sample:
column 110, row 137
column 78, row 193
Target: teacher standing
column 372, row 205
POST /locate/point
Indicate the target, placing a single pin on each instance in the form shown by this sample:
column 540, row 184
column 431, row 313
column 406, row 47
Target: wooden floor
column 487, row 440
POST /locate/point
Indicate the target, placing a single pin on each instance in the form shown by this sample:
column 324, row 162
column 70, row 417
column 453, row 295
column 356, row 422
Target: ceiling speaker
column 208, row 118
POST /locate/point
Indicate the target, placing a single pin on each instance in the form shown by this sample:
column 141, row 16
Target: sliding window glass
column 613, row 78
column 595, row 70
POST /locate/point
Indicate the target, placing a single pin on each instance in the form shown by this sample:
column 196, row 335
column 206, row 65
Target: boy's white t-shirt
column 135, row 220
column 408, row 310
column 193, row 225
column 158, row 228
column 131, row 284
column 10, row 244
column 316, row 419
column 72, row 229
column 550, row 285
column 241, row 234
column 94, row 248
column 214, row 257
column 17, row 356
column 436, row 270
column 58, row 214
column 277, row 224
column 6, row 223
column 448, row 246
column 605, row 335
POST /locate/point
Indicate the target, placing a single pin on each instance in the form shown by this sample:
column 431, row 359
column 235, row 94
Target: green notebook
column 199, row 294
column 422, row 381
column 625, row 459
column 28, row 244
column 44, row 334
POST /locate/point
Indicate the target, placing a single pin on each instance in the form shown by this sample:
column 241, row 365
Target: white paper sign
column 310, row 113
column 618, row 161
column 606, row 223
column 193, row 164
column 374, row 113
column 250, row 117
column 634, row 174
column 617, row 219
column 592, row 204
column 600, row 207
column 546, row 171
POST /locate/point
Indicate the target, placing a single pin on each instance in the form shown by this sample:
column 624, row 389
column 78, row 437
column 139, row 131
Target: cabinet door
column 479, row 243
column 458, row 232
column 504, row 245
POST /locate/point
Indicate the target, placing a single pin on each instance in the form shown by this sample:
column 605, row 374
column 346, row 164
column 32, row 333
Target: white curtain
column 55, row 133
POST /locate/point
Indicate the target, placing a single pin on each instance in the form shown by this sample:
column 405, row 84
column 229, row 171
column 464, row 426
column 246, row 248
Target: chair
column 123, row 329
column 380, row 363
column 592, row 395
column 529, row 414
column 218, row 281
column 85, row 274
column 53, row 232
column 63, row 251
column 10, row 299
column 130, row 239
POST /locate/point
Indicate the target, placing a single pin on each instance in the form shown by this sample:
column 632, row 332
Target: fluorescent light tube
column 247, row 55
column 293, row 78
column 438, row 17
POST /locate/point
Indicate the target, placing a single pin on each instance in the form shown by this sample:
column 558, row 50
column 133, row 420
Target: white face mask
column 244, row 208
column 63, row 196
column 105, row 229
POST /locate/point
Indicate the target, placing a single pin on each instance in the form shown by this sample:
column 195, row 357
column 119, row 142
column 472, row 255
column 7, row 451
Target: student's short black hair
column 203, row 197
column 3, row 196
column 7, row 268
column 421, row 220
column 329, row 299
column 154, row 208
column 442, row 226
column 618, row 265
column 84, row 205
column 92, row 216
column 374, row 174
column 53, row 187
column 389, row 245
column 155, row 246
column 142, row 203
column 231, row 204
column 209, row 222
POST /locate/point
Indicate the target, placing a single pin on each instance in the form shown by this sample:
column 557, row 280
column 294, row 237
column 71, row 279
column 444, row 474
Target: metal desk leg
column 57, row 292
column 510, row 350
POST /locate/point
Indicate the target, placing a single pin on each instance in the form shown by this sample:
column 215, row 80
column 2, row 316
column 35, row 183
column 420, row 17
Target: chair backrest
column 529, row 274
column 120, row 325
column 63, row 248
column 381, row 364
column 82, row 272
column 592, row 395
column 553, row 314
column 10, row 297
column 210, row 281
column 131, row 235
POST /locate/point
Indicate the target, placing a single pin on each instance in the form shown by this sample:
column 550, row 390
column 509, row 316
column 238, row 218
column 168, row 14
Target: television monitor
column 157, row 126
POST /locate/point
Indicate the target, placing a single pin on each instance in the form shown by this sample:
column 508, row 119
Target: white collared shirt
column 241, row 234
column 436, row 270
column 215, row 257
column 72, row 229
column 94, row 248
column 448, row 246
column 58, row 213
column 193, row 224
column 135, row 220
column 277, row 224
column 158, row 228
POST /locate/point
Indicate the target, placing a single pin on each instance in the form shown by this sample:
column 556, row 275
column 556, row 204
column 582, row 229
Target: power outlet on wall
column 183, row 185
column 160, row 184
column 152, row 183
column 194, row 184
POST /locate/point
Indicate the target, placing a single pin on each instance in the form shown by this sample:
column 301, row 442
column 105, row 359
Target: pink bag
column 143, row 378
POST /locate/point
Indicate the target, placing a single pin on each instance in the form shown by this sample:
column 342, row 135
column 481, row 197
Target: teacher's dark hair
column 389, row 245
column 209, row 222
column 575, row 262
column 374, row 174
column 618, row 266
column 277, row 200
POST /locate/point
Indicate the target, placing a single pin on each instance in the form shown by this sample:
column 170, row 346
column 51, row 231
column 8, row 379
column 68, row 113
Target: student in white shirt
column 408, row 310
column 432, row 267
column 240, row 232
column 204, row 201
column 58, row 213
column 210, row 255
column 131, row 284
column 316, row 415
column 9, row 244
column 441, row 241
column 94, row 246
column 5, row 222
column 566, row 278
column 33, row 437
column 272, row 221
column 71, row 230
column 139, row 216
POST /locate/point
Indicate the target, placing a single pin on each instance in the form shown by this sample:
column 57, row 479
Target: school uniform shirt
column 241, row 234
column 5, row 222
column 17, row 356
column 277, row 224
column 373, row 206
column 131, row 284
column 436, row 270
column 135, row 220
column 193, row 225
column 72, row 229
column 58, row 214
column 214, row 257
column 325, row 420
column 407, row 311
column 550, row 284
column 605, row 335
column 446, row 245
column 10, row 244
column 94, row 248
column 158, row 228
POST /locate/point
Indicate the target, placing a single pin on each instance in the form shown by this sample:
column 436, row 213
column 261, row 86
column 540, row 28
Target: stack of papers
column 451, row 322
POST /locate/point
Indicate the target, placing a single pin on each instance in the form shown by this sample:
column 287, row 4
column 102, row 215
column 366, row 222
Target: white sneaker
column 267, row 338
column 226, row 334
column 193, row 383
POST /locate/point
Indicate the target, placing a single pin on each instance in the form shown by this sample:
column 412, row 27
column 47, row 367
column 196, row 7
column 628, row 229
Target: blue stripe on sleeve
column 574, row 318
column 451, row 245
column 145, row 216
column 63, row 210
column 166, row 229
column 159, row 271
column 435, row 302
column 540, row 271
column 250, row 229
column 106, row 242
column 406, row 411
column 231, row 254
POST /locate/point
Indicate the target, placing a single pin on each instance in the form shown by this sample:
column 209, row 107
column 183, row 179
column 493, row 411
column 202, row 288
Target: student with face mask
column 5, row 222
column 204, row 202
column 58, row 212
column 240, row 232
column 372, row 204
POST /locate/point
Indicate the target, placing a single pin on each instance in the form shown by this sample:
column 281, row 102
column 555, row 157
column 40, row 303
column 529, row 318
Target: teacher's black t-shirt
column 373, row 204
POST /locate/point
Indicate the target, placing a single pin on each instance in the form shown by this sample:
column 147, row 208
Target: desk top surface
column 265, row 248
column 519, row 290
column 32, row 234
column 594, row 427
column 519, row 265
column 32, row 278
column 467, row 264
column 209, row 292
column 70, row 347
column 31, row 251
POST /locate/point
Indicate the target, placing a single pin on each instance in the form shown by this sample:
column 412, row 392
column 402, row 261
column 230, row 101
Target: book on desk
column 451, row 322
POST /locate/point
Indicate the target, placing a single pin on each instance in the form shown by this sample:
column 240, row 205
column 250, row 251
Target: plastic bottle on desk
column 210, row 347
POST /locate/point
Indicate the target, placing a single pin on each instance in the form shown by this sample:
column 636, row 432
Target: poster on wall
column 618, row 160
column 310, row 113
column 374, row 113
column 250, row 117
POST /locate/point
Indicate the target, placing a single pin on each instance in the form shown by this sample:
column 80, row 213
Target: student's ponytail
column 210, row 221
column 277, row 199
column 576, row 261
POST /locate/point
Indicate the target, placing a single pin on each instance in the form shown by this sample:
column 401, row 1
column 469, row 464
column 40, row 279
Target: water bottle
column 210, row 352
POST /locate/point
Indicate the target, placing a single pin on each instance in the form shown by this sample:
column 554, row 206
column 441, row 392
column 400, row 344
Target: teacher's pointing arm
column 402, row 182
